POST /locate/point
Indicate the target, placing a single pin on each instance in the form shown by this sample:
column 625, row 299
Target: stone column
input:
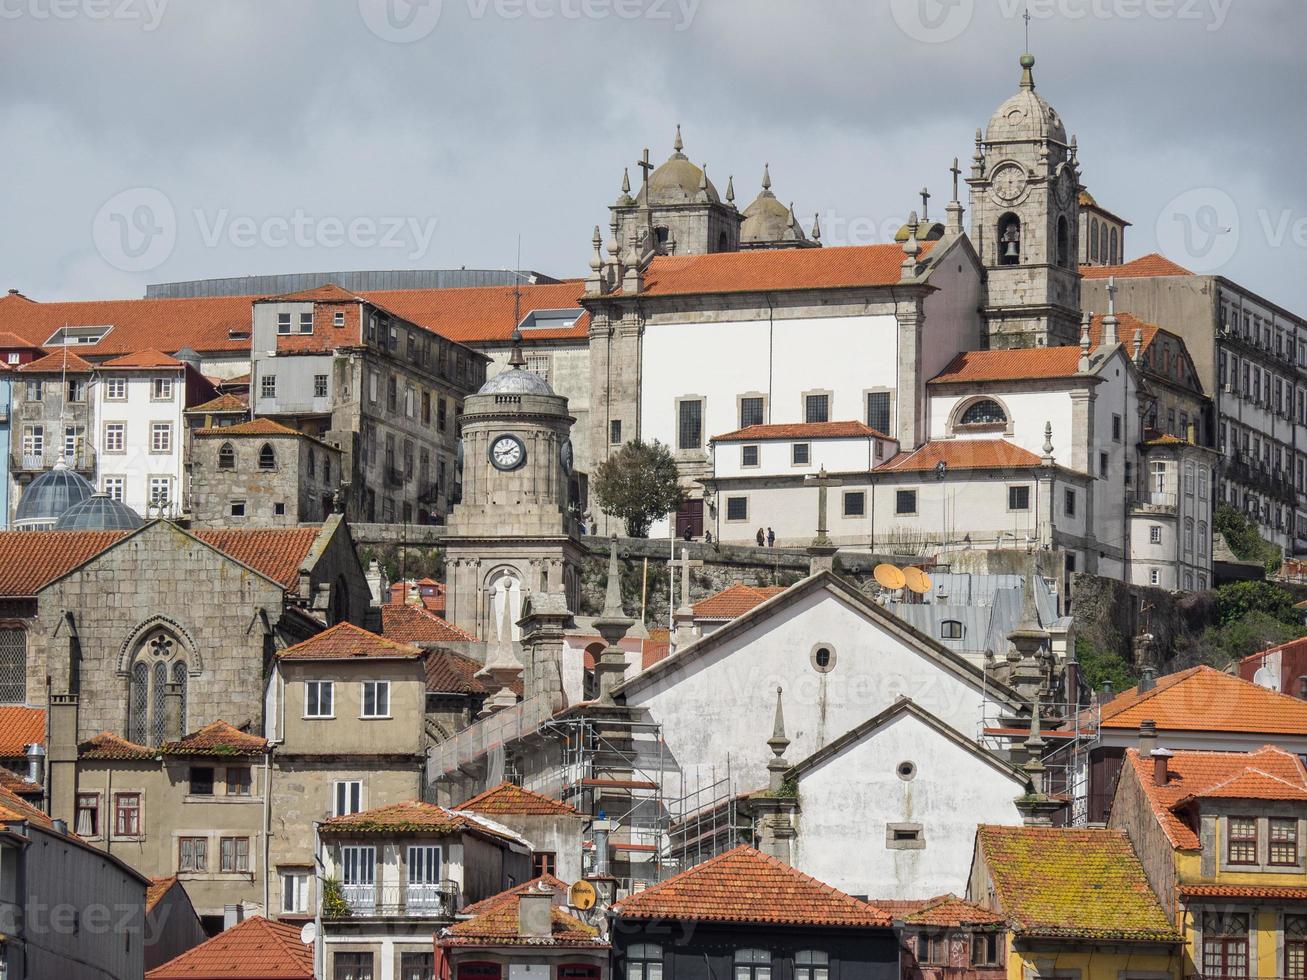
column 612, row 625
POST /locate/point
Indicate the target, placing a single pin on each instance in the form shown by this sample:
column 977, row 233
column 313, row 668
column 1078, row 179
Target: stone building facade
column 262, row 474
column 50, row 419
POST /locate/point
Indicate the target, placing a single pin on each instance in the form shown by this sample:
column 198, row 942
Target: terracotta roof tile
column 58, row 362
column 657, row 647
column 219, row 405
column 1202, row 699
column 218, row 738
column 496, row 924
column 345, row 641
column 776, row 269
column 485, row 313
column 1148, row 265
column 802, row 430
column 326, row 293
column 254, row 427
column 107, row 745
column 20, row 785
column 1072, row 883
column 1010, row 365
column 255, row 949
column 413, row 817
column 964, row 454
column 1279, row 893
column 30, row 560
column 20, row 726
column 453, row 673
column 274, row 552
column 408, row 623
column 16, row 808
column 507, row 798
column 945, row 910
column 745, row 885
column 9, row 340
column 1253, row 784
column 734, row 600
column 545, row 879
column 1128, row 325
column 143, row 359
column 157, row 888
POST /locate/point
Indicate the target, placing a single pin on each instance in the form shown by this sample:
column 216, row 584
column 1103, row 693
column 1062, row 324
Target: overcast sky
column 155, row 140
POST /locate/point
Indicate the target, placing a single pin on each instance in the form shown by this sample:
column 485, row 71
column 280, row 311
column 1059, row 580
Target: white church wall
column 775, row 457
column 1028, row 411
column 717, row 707
column 850, row 800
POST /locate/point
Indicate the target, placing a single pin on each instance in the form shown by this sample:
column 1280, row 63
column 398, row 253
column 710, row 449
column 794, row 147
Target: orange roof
column 1191, row 774
column 802, row 430
column 59, row 362
column 964, row 454
column 20, row 727
column 658, row 646
column 203, row 324
column 480, row 313
column 411, row 816
column 545, row 879
column 745, row 885
column 30, row 560
column 734, row 600
column 223, row 403
column 769, row 270
column 255, row 949
column 254, row 427
column 1283, row 893
column 20, row 785
column 1202, row 699
column 943, row 910
column 12, row 340
column 157, row 888
column 453, row 673
column 274, row 552
column 13, row 808
column 107, row 745
column 1145, row 266
column 345, row 641
column 410, row 623
column 496, row 924
column 507, row 798
column 218, row 738
column 326, row 293
column 1017, row 364
column 143, row 359
column 1127, row 326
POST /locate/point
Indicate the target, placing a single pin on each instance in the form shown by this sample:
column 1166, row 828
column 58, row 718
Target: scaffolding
column 705, row 821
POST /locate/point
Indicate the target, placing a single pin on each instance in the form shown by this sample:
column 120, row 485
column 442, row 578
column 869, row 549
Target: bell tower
column 1025, row 188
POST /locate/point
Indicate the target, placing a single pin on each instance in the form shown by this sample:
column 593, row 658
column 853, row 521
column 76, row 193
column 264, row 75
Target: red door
column 690, row 516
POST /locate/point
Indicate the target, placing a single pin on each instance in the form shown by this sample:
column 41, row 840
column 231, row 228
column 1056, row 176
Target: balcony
column 413, row 901
column 82, row 460
column 1154, row 502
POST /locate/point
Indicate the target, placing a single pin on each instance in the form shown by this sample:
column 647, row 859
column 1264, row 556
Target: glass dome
column 48, row 496
column 99, row 512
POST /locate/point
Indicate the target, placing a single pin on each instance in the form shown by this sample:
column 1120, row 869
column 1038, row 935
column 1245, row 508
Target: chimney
column 60, row 826
column 535, row 915
column 172, row 712
column 602, row 828
column 36, row 764
column 1147, row 679
column 1072, row 680
column 61, row 757
column 232, row 915
column 1160, row 771
column 1147, row 736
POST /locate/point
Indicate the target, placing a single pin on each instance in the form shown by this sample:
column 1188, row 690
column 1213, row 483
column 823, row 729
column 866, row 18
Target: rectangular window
column 114, row 487
column 751, row 411
column 352, row 966
column 1018, row 498
column 201, row 780
column 283, row 323
column 737, row 508
column 800, row 454
column 294, row 892
column 1102, row 464
column 127, row 814
column 1295, row 947
column 161, row 389
column 76, row 390
column 306, row 322
column 87, row 822
column 160, row 490
column 33, row 440
column 235, row 854
column 984, row 948
column 160, row 437
column 689, row 424
column 816, row 408
column 392, row 394
column 932, row 948
column 1225, row 945
column 268, row 386
column 422, row 966
column 115, row 437
column 193, row 854
column 338, row 318
column 376, row 699
column 319, row 699
column 237, row 508
column 1242, row 844
column 426, row 407
column 543, row 863
column 1155, row 534
column 878, row 411
column 442, row 414
column 1154, row 576
column 1283, row 833
column 615, row 432
column 240, row 780
column 115, row 389
column 1069, row 503
column 1116, row 428
column 905, row 501
column 855, row 503
column 347, row 797
column 34, row 391
column 319, row 386
column 748, row 455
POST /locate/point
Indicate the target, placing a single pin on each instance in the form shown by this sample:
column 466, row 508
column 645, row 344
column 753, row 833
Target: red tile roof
column 157, row 888
column 1280, row 893
column 254, row 427
column 255, row 949
column 327, row 293
column 30, row 560
column 1070, row 883
column 507, row 798
column 1145, row 266
column 964, row 454
column 8, row 340
column 1010, row 365
column 15, row 809
column 1253, row 784
column 413, row 817
column 430, row 594
column 20, row 785
column 143, row 359
column 453, row 673
column 409, row 623
column 1202, row 699
column 59, row 362
column 745, row 885
column 223, row 403
column 1128, row 325
column 1270, row 771
column 277, row 553
column 218, row 738
column 496, row 924
column 943, row 910
column 345, row 641
column 734, row 600
column 657, row 647
column 545, row 879
column 20, row 727
column 802, row 430
column 770, row 270
column 107, row 745
column 485, row 313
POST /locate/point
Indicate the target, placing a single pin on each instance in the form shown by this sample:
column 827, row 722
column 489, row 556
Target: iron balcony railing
column 1155, row 500
column 428, row 901
column 81, row 459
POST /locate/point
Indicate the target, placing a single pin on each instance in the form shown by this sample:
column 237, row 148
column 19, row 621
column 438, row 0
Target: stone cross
column 821, row 481
column 686, row 564
column 683, row 617
column 925, row 203
column 647, row 168
column 1111, row 295
column 956, row 171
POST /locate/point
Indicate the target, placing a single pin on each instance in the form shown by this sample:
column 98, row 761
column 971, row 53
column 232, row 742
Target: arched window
column 950, row 629
column 1093, row 240
column 226, row 456
column 1102, row 242
column 723, row 242
column 752, row 964
column 589, row 682
column 138, row 717
column 267, row 458
column 1202, row 538
column 158, row 660
column 179, row 678
column 644, row 961
column 1115, row 244
column 1063, row 243
column 984, row 412
column 13, row 665
column 1009, row 240
column 504, row 586
column 313, row 462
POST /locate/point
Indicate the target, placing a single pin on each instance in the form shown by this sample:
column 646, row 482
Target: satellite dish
column 309, row 933
column 1265, row 677
column 916, row 580
column 889, row 576
column 582, row 895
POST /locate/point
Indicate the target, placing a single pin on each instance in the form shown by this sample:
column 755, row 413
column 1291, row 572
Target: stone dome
column 677, row 181
column 99, row 512
column 49, row 495
column 516, row 381
column 767, row 219
column 1026, row 116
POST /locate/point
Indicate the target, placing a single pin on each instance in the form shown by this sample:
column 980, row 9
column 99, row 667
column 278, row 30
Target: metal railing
column 1155, row 500
column 82, row 460
column 498, row 729
column 435, row 901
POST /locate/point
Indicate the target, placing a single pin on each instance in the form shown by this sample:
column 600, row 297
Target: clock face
column 507, row 453
column 566, row 456
column 1009, row 182
column 1065, row 188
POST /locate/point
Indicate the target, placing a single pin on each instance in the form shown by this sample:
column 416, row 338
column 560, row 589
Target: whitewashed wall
column 139, row 412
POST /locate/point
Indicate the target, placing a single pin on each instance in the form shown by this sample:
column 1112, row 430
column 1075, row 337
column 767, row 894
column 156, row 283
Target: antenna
column 517, row 284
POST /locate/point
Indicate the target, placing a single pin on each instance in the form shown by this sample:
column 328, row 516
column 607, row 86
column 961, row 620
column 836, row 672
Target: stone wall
column 1109, row 613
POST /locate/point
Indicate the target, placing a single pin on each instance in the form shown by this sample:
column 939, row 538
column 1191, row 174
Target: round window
column 822, row 657
column 906, row 770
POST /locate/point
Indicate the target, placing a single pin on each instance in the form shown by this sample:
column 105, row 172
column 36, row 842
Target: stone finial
column 1071, row 156
column 678, row 144
column 816, row 227
column 1138, row 355
column 730, row 190
column 502, row 667
column 793, row 223
column 978, row 157
column 1082, row 365
column 911, row 248
column 766, row 177
column 624, row 199
column 1048, row 444
column 778, row 743
column 703, row 182
column 612, row 625
column 597, row 252
column 1027, row 71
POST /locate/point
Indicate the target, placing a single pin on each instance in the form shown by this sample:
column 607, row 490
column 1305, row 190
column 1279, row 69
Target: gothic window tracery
column 13, row 665
column 158, row 660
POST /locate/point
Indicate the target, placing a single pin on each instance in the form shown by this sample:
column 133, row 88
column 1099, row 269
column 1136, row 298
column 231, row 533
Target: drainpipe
column 267, row 828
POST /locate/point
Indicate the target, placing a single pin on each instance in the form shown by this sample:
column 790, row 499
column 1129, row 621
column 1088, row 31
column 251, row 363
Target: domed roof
column 678, row 181
column 49, row 495
column 767, row 219
column 1026, row 116
column 99, row 512
column 516, row 381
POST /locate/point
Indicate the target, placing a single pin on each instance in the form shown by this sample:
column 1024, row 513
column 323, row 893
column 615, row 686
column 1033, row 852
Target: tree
column 1219, row 646
column 638, row 484
column 1099, row 666
column 1241, row 535
column 1238, row 599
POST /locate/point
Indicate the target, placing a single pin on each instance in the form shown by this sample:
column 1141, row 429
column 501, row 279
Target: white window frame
column 318, row 687
column 346, row 793
column 161, row 389
column 115, row 445
column 306, row 322
column 161, row 437
column 156, row 483
column 115, row 389
column 294, row 892
column 374, row 695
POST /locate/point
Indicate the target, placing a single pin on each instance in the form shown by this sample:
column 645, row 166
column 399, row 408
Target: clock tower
column 1025, row 189
column 512, row 534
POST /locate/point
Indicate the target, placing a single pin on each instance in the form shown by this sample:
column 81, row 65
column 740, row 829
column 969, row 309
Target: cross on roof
column 925, row 204
column 956, row 171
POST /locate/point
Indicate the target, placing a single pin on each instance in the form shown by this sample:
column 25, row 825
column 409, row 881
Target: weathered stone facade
column 234, row 485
